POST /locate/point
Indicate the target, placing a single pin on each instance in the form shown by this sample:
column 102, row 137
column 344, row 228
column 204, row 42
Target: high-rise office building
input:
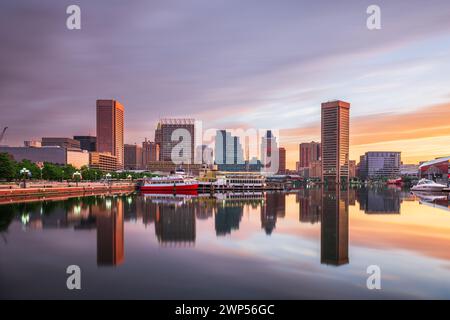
column 110, row 129
column 335, row 125
column 88, row 143
column 282, row 160
column 228, row 149
column 179, row 133
column 133, row 157
column 309, row 151
column 269, row 156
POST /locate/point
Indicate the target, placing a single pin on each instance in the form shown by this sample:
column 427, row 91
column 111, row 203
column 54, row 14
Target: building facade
column 88, row 143
column 268, row 153
column 380, row 164
column 335, row 125
column 227, row 149
column 103, row 161
column 55, row 155
column 179, row 133
column 282, row 160
column 437, row 170
column 309, row 151
column 150, row 152
column 110, row 129
column 133, row 157
column 60, row 142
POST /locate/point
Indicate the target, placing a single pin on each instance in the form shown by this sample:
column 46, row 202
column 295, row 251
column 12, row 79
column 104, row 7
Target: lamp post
column 108, row 178
column 77, row 177
column 25, row 173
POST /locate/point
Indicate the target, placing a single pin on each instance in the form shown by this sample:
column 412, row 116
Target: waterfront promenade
column 9, row 193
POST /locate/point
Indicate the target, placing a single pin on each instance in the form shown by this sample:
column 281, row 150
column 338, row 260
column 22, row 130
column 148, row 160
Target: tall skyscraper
column 227, row 149
column 309, row 151
column 282, row 160
column 167, row 136
column 335, row 141
column 110, row 129
column 269, row 156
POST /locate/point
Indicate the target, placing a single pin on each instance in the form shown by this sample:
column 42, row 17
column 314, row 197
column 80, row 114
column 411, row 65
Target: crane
column 3, row 133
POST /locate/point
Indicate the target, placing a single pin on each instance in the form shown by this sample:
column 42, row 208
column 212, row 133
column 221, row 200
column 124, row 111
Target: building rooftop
column 177, row 121
column 437, row 160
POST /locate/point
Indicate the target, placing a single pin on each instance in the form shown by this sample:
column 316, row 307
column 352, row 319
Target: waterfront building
column 103, row 161
column 110, row 129
column 55, row 155
column 269, row 154
column 352, row 169
column 184, row 131
column 282, row 160
column 335, row 121
column 88, row 143
column 315, row 169
column 437, row 170
column 150, row 152
column 308, row 151
column 228, row 151
column 409, row 170
column 380, row 164
column 133, row 157
column 60, row 142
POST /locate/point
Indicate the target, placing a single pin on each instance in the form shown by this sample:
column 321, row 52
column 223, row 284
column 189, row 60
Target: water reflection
column 334, row 228
column 175, row 217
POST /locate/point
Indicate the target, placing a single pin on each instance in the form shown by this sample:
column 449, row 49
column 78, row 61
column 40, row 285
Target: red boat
column 169, row 184
column 397, row 181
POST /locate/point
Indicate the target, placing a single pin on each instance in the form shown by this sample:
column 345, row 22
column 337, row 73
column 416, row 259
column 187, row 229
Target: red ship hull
column 170, row 188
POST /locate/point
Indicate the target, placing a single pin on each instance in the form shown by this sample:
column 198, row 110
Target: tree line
column 10, row 170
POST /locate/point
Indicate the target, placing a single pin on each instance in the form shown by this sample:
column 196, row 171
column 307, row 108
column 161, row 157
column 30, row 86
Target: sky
column 231, row 64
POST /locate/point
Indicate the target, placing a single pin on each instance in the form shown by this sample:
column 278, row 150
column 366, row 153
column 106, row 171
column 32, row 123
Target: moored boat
column 428, row 185
column 174, row 183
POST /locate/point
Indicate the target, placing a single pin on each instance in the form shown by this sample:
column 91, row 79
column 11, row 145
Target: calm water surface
column 307, row 244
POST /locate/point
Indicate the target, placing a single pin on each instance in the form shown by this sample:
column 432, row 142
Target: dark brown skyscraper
column 335, row 141
column 110, row 129
column 169, row 130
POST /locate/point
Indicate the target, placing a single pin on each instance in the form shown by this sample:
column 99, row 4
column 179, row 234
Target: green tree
column 27, row 164
column 52, row 172
column 7, row 167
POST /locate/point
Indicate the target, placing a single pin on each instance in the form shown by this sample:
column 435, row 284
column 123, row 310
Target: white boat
column 428, row 185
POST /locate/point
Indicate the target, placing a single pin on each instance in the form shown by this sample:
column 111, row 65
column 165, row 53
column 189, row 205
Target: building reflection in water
column 109, row 217
column 310, row 205
column 175, row 221
column 334, row 227
column 274, row 207
column 379, row 200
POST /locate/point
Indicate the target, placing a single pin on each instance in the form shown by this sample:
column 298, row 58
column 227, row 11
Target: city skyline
column 256, row 75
